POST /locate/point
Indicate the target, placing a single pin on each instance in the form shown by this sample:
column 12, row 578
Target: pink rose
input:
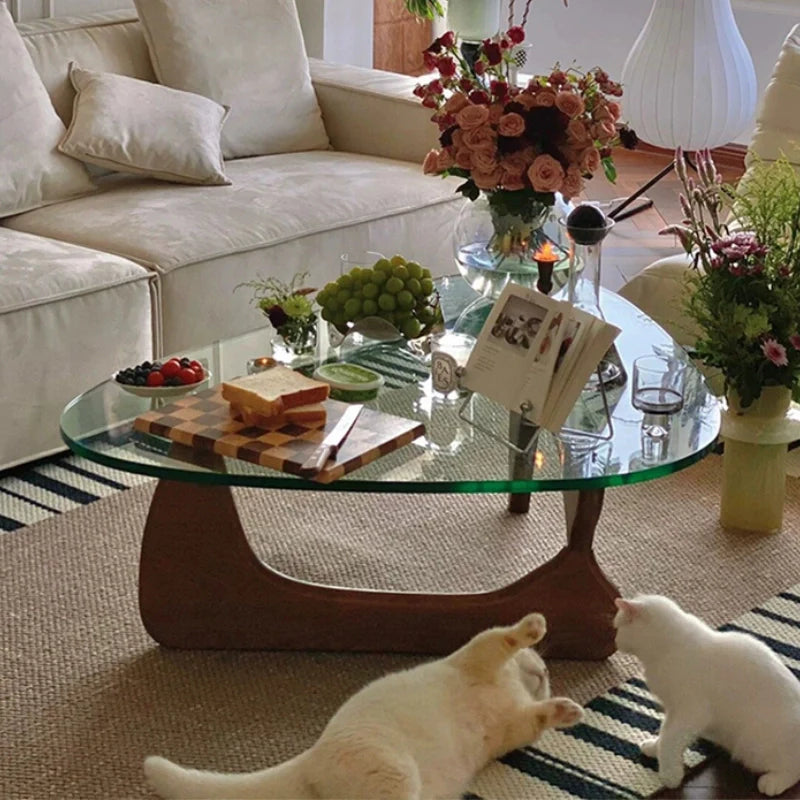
column 526, row 99
column 602, row 112
column 464, row 158
column 478, row 138
column 455, row 103
column 430, row 166
column 458, row 138
column 495, row 112
column 472, row 116
column 515, row 163
column 604, row 131
column 615, row 109
column 487, row 180
column 512, row 182
column 445, row 160
column 577, row 132
column 589, row 160
column 572, row 185
column 484, row 160
column 546, row 98
column 546, row 174
column 570, row 103
column 511, row 125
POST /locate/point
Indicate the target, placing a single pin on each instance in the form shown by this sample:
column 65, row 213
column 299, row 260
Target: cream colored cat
column 420, row 733
column 724, row 686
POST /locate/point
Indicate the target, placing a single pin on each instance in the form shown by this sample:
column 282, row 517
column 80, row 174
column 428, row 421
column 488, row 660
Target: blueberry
column 140, row 380
column 120, row 378
column 173, row 381
column 155, row 365
column 146, row 365
column 185, row 361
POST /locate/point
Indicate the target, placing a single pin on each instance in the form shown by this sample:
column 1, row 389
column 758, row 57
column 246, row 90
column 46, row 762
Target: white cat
column 420, row 733
column 726, row 687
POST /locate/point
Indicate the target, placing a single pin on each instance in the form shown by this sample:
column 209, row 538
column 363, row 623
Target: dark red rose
column 435, row 87
column 434, row 47
column 447, row 40
column 499, row 89
column 429, row 60
column 277, row 316
column 446, row 67
column 480, row 67
column 516, row 34
column 493, row 53
column 419, row 90
column 479, row 96
column 430, row 102
column 628, row 137
column 465, row 84
column 505, row 44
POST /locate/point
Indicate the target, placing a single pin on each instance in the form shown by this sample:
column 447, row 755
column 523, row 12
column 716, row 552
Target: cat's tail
column 179, row 783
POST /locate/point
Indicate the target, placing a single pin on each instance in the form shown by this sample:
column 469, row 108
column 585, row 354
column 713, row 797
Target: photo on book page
column 512, row 361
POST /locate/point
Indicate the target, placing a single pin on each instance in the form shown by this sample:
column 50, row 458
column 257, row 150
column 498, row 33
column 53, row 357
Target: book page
column 516, row 350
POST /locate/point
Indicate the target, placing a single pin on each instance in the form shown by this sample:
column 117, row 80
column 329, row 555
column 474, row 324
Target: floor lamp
column 689, row 81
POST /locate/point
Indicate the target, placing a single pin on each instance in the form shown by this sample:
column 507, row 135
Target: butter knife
column 333, row 440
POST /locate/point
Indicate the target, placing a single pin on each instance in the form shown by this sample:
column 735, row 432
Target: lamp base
column 619, row 213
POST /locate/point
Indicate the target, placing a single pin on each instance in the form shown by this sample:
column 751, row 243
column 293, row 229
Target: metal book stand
column 521, row 421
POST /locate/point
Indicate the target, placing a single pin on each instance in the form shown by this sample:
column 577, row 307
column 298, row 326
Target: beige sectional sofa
column 143, row 267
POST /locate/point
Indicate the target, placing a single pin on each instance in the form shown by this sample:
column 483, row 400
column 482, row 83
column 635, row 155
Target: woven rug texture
column 86, row 694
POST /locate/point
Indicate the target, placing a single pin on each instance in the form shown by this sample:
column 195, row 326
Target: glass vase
column 296, row 341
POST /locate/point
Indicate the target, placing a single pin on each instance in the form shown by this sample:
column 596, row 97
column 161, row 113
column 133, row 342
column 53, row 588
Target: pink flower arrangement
column 549, row 136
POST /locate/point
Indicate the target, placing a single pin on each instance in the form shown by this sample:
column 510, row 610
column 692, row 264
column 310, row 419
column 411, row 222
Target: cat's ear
column 628, row 609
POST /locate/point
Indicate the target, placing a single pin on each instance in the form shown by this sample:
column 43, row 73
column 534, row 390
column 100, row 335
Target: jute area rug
column 86, row 694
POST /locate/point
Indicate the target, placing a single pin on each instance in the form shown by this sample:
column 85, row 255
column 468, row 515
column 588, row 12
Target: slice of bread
column 274, row 391
column 314, row 413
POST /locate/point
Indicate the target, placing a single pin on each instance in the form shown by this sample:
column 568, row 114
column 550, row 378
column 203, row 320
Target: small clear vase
column 295, row 342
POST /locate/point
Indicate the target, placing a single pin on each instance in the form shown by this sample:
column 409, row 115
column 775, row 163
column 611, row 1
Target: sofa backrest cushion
column 105, row 42
column 778, row 121
column 32, row 171
column 246, row 54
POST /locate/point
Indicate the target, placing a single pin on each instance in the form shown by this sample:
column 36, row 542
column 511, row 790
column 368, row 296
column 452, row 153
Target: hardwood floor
column 634, row 243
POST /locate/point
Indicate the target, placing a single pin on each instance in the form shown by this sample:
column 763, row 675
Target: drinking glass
column 364, row 258
column 657, row 391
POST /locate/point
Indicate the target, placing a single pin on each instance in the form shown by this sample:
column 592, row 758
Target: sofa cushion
column 110, row 41
column 69, row 317
column 246, row 54
column 32, row 172
column 128, row 125
column 271, row 199
column 281, row 214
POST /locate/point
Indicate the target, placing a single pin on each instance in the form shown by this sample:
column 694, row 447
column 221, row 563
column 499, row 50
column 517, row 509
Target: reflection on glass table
column 202, row 587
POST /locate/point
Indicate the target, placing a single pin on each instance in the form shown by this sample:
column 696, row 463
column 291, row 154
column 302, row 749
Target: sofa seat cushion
column 35, row 270
column 69, row 317
column 271, row 199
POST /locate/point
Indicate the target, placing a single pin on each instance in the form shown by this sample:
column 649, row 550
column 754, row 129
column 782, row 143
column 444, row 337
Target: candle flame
column 546, row 253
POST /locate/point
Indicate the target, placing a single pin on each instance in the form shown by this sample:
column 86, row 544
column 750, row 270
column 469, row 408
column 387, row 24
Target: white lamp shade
column 689, row 79
column 473, row 20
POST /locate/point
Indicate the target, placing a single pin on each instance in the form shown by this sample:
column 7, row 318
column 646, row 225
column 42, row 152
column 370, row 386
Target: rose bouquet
column 288, row 309
column 518, row 145
column 745, row 287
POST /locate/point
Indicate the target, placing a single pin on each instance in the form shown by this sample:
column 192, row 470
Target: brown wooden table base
column 201, row 586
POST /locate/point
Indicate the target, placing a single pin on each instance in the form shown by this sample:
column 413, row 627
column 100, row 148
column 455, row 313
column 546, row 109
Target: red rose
column 277, row 316
column 493, row 53
column 419, row 90
column 430, row 102
column 429, row 60
column 480, row 67
column 435, row 87
column 447, row 40
column 499, row 89
column 516, row 34
column 479, row 97
column 505, row 44
column 465, row 84
column 446, row 67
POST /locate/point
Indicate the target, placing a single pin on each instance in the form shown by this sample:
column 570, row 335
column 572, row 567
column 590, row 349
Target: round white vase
column 473, row 20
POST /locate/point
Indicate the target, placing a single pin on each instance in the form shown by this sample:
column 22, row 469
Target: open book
column 536, row 353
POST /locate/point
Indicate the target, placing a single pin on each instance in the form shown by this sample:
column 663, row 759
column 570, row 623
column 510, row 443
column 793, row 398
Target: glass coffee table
column 201, row 585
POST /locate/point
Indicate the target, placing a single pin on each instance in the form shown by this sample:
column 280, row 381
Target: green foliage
column 425, row 9
column 745, row 291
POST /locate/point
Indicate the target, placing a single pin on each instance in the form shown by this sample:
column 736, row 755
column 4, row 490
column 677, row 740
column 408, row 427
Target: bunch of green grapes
column 397, row 290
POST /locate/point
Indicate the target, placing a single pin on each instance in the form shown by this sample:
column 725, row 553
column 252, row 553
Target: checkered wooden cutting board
column 203, row 421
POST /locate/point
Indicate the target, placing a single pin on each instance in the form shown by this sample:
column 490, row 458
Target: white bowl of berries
column 164, row 379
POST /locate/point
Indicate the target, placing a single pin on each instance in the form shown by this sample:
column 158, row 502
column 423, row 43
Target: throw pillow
column 246, row 54
column 129, row 125
column 32, row 171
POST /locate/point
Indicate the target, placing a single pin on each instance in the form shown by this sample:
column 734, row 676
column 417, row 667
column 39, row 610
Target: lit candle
column 255, row 365
column 545, row 258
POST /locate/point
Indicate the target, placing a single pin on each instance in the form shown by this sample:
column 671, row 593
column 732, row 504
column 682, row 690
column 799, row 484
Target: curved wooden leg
column 201, row 586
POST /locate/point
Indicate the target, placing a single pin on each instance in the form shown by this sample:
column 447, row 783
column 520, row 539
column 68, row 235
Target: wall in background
column 35, row 9
column 338, row 30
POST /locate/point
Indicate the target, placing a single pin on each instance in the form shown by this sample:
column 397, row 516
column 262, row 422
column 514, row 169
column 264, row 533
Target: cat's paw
column 564, row 713
column 671, row 777
column 528, row 631
column 774, row 783
column 649, row 748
